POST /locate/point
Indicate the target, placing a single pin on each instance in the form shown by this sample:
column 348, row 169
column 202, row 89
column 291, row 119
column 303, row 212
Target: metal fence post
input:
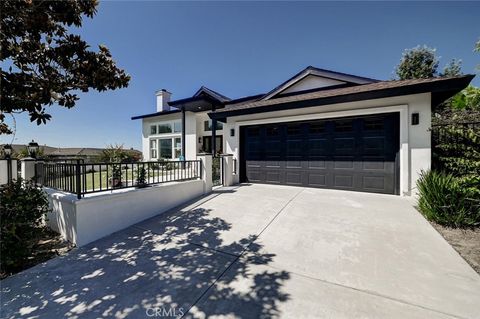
column 77, row 176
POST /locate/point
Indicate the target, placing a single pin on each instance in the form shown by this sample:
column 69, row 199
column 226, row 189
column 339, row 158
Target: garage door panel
column 343, row 181
column 293, row 164
column 320, row 163
column 293, row 178
column 374, row 165
column 373, row 182
column 273, row 177
column 343, row 162
column 357, row 153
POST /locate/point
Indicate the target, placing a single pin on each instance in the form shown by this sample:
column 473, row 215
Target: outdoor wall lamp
column 199, row 140
column 232, row 132
column 415, row 118
column 7, row 150
column 33, row 148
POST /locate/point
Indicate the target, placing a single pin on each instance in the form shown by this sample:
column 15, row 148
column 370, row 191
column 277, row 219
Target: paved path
column 259, row 251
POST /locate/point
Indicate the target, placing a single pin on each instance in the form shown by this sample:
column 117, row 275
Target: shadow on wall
column 135, row 273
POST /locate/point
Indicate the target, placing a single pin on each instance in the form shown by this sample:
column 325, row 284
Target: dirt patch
column 465, row 241
column 48, row 245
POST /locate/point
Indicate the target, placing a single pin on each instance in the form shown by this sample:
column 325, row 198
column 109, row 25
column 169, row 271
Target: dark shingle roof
column 398, row 87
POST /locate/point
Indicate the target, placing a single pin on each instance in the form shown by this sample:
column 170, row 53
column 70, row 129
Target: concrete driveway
column 259, row 251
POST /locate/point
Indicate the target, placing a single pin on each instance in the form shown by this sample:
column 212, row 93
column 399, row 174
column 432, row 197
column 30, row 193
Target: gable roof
column 323, row 73
column 442, row 88
column 204, row 90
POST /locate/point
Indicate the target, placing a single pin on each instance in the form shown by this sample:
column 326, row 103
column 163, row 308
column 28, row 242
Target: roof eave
column 448, row 88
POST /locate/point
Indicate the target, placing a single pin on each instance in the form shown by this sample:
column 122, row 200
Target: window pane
column 219, row 126
column 273, row 131
column 153, row 144
column 207, row 126
column 165, row 128
column 166, row 148
column 317, row 127
column 178, row 147
column 177, row 127
column 372, row 124
column 294, row 129
column 344, row 126
column 153, row 129
column 153, row 153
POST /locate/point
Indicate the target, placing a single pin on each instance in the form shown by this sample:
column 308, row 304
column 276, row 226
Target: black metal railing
column 217, row 170
column 83, row 178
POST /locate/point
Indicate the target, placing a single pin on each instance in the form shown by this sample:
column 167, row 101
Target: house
column 319, row 128
column 87, row 154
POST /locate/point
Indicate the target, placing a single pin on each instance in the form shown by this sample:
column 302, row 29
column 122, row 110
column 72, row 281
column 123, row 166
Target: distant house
column 88, row 154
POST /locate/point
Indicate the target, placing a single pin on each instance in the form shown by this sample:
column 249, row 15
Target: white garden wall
column 97, row 215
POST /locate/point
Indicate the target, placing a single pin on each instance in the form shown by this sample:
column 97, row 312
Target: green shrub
column 449, row 200
column 23, row 208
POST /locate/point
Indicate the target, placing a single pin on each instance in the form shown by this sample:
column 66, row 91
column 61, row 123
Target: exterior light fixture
column 415, row 118
column 33, row 148
column 199, row 140
column 232, row 132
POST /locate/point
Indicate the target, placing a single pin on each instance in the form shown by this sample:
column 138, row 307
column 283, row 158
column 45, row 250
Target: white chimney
column 163, row 97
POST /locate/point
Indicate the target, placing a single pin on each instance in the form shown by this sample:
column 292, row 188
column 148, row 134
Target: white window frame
column 171, row 123
column 174, row 147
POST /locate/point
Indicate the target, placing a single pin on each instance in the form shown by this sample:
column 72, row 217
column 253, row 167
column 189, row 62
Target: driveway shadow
column 137, row 273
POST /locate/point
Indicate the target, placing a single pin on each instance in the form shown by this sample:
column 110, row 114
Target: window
column 272, row 131
column 165, row 148
column 207, row 125
column 153, row 129
column 178, row 147
column 294, row 129
column 177, row 127
column 165, row 128
column 344, row 126
column 373, row 124
column 153, row 148
column 207, row 144
column 317, row 127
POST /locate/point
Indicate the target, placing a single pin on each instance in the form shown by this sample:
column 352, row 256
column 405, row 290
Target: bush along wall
column 23, row 208
column 449, row 200
column 450, row 194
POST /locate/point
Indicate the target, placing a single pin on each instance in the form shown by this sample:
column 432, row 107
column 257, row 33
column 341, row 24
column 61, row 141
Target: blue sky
column 242, row 49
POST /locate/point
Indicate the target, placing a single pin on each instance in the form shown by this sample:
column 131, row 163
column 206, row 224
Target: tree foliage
column 117, row 154
column 417, row 63
column 422, row 62
column 45, row 63
column 453, row 68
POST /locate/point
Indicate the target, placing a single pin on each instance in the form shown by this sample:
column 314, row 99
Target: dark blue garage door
column 359, row 153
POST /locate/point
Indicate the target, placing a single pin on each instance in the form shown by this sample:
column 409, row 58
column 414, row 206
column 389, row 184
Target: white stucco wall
column 98, row 215
column 4, row 171
column 415, row 142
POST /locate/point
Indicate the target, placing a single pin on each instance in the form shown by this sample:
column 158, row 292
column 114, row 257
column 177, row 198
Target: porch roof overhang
column 138, row 117
column 441, row 89
column 197, row 104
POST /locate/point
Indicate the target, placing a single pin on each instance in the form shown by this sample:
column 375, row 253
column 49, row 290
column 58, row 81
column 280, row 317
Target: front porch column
column 183, row 135
column 214, row 134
